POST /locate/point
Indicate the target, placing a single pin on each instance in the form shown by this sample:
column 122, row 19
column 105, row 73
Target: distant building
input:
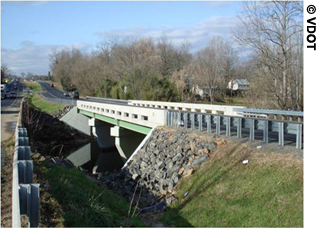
column 238, row 84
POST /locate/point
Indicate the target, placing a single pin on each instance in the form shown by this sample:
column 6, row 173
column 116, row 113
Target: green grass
column 34, row 86
column 268, row 192
column 77, row 201
column 43, row 105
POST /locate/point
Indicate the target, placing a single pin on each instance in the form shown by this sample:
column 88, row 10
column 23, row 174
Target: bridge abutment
column 126, row 141
column 101, row 130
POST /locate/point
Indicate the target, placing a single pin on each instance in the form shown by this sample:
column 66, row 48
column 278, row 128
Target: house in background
column 238, row 84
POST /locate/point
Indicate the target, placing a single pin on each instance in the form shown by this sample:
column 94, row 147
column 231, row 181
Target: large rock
column 199, row 160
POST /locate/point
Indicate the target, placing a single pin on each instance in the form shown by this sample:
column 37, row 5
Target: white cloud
column 197, row 34
column 33, row 58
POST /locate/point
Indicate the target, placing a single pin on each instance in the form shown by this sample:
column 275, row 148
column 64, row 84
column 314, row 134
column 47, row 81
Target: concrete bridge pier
column 101, row 130
column 126, row 141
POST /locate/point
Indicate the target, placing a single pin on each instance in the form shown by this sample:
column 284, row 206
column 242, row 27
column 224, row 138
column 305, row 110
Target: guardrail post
column 218, row 118
column 22, row 141
column 200, row 122
column 171, row 118
column 168, row 118
column 30, row 202
column 179, row 119
column 192, row 121
column 174, row 119
column 25, row 170
column 266, row 131
column 21, row 132
column 252, row 129
column 299, row 137
column 239, row 128
column 228, row 130
column 185, row 119
column 208, row 117
column 23, row 152
column 281, row 134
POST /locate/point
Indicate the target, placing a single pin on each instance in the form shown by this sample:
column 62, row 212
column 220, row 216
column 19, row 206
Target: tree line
column 270, row 32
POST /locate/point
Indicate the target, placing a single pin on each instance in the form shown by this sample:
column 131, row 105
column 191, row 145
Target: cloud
column 198, row 34
column 33, row 58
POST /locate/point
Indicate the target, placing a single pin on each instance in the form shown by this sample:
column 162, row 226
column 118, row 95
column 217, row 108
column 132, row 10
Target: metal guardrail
column 279, row 129
column 61, row 101
column 25, row 194
column 275, row 114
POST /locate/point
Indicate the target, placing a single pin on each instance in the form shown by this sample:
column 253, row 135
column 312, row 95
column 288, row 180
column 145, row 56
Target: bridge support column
column 126, row 141
column 101, row 130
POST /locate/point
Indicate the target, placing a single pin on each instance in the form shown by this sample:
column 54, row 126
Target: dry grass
column 268, row 191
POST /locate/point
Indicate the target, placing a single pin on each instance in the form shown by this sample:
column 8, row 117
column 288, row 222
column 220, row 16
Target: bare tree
column 213, row 66
column 272, row 30
column 4, row 72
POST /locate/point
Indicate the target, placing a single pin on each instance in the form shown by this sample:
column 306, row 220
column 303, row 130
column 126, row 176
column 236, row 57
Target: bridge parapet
column 204, row 108
column 149, row 117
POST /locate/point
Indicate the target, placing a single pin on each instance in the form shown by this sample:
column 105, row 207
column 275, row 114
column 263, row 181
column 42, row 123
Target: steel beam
column 192, row 121
column 239, row 128
column 208, row 119
column 228, row 127
column 281, row 134
column 266, row 131
column 252, row 127
column 200, row 121
column 218, row 119
column 299, row 137
column 185, row 119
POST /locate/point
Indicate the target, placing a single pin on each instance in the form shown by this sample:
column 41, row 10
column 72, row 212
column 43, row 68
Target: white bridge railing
column 149, row 117
column 203, row 108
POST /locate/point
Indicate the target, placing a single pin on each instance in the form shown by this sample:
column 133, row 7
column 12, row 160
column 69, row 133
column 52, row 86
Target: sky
column 31, row 30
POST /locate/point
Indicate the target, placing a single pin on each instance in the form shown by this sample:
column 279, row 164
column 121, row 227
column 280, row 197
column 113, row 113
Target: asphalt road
column 9, row 112
column 51, row 92
column 5, row 103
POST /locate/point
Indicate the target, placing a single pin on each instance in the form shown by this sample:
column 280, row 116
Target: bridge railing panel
column 142, row 116
column 204, row 108
column 265, row 129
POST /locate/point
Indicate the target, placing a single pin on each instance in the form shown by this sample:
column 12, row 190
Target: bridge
column 125, row 123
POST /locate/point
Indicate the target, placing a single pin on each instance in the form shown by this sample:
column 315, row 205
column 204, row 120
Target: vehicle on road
column 75, row 95
column 51, row 85
column 13, row 94
column 4, row 91
column 66, row 94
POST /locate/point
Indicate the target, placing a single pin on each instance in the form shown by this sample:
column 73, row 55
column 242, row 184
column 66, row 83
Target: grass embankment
column 6, row 181
column 43, row 105
column 34, row 86
column 267, row 192
column 74, row 200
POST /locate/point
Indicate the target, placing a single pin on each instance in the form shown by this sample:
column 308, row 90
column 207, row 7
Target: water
column 95, row 159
